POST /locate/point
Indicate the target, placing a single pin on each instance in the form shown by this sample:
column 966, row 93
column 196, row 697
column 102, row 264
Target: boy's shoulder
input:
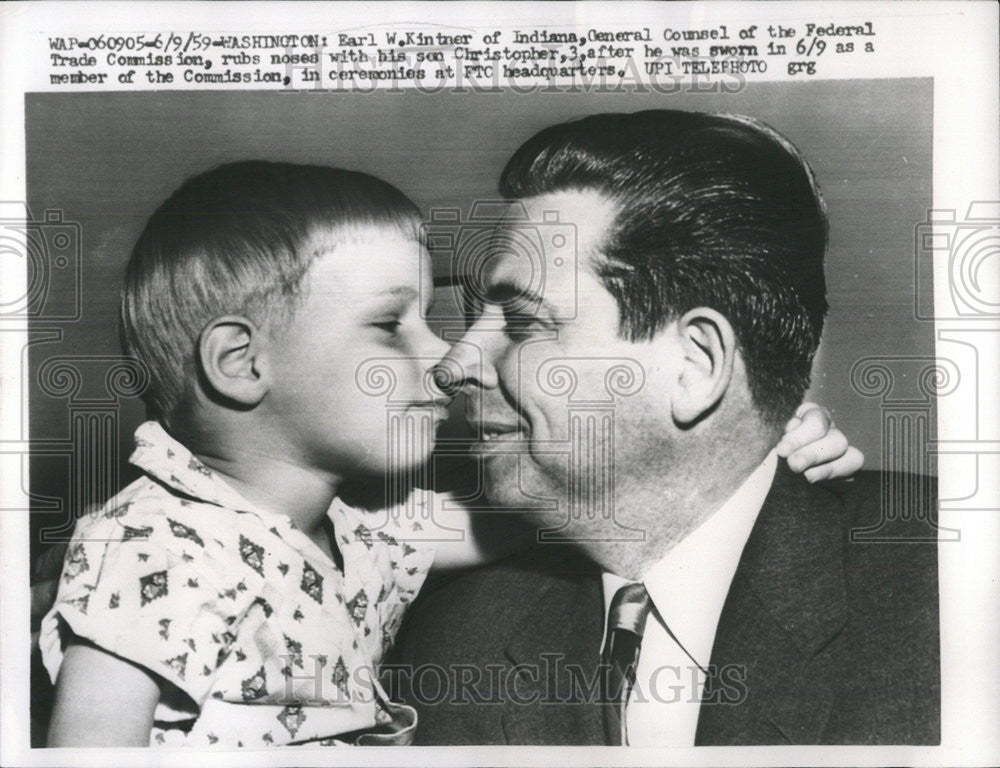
column 146, row 535
column 149, row 510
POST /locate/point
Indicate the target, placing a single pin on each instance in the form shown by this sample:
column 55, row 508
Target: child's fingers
column 792, row 424
column 828, row 448
column 48, row 565
column 43, row 595
column 845, row 466
column 809, row 425
column 803, row 409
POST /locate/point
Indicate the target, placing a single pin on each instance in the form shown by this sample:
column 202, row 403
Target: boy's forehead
column 370, row 260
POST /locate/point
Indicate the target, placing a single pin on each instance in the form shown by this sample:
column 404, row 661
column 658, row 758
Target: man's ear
column 708, row 349
column 233, row 360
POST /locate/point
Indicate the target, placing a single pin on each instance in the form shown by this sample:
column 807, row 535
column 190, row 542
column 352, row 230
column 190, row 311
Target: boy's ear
column 233, row 359
column 708, row 352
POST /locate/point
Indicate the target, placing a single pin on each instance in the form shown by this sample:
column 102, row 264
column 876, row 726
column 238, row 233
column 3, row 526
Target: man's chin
column 513, row 482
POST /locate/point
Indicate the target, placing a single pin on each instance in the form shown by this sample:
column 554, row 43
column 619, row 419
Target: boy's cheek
column 396, row 381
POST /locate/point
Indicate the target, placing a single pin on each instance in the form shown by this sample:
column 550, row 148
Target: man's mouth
column 493, row 432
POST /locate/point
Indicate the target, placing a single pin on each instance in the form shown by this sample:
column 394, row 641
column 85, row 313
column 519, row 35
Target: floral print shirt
column 262, row 638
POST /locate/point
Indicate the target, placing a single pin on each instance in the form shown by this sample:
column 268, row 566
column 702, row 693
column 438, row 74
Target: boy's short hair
column 235, row 240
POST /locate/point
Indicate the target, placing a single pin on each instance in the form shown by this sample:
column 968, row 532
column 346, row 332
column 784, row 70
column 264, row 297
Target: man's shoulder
column 866, row 486
column 881, row 507
column 870, row 542
column 834, row 613
column 514, row 579
column 874, row 506
column 890, row 534
column 479, row 609
column 886, row 559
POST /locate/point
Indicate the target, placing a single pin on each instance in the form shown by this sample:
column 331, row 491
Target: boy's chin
column 395, row 469
column 378, row 487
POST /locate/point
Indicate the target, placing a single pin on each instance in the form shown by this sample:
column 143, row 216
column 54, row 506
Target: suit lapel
column 775, row 653
column 553, row 654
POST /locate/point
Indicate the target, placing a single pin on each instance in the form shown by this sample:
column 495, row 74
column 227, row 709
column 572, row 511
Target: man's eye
column 472, row 310
column 519, row 326
column 471, row 318
column 389, row 326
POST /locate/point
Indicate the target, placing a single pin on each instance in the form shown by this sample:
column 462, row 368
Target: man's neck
column 667, row 509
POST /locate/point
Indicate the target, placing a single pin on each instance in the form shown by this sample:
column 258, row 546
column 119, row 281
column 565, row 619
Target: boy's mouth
column 438, row 408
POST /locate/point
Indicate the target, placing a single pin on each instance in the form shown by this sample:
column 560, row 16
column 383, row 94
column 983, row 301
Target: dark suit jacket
column 822, row 639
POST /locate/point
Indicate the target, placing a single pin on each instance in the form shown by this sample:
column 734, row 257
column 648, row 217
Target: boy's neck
column 256, row 469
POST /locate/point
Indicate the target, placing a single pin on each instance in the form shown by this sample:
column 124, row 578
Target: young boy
column 229, row 596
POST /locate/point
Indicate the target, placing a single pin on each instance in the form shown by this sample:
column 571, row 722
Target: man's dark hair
column 238, row 239
column 711, row 210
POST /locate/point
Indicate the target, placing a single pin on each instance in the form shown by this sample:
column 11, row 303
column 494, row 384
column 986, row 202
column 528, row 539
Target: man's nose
column 434, row 348
column 468, row 364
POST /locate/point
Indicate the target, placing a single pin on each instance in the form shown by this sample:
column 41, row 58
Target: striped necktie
column 626, row 621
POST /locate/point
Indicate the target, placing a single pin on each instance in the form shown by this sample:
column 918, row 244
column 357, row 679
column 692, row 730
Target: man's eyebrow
column 507, row 293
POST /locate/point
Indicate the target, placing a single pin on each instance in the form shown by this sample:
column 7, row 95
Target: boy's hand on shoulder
column 44, row 585
column 813, row 446
column 45, row 573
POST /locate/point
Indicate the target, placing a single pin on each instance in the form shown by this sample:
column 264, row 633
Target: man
column 629, row 385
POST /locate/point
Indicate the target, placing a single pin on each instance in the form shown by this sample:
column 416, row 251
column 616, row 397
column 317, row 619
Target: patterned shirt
column 262, row 638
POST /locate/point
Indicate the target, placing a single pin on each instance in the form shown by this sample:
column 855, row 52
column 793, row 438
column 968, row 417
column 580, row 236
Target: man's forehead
column 541, row 257
column 589, row 211
column 521, row 277
column 548, row 234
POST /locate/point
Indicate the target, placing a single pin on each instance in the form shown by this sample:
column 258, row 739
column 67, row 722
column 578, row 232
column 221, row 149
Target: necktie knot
column 629, row 608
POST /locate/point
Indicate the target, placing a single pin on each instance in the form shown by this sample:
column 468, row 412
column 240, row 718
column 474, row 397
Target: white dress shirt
column 688, row 588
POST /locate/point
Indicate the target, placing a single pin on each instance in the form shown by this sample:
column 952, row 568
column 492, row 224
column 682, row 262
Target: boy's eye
column 389, row 326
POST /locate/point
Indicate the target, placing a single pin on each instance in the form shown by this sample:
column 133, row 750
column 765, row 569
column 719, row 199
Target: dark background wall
column 107, row 160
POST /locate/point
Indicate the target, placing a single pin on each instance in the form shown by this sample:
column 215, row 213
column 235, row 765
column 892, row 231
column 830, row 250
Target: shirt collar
column 688, row 586
column 162, row 457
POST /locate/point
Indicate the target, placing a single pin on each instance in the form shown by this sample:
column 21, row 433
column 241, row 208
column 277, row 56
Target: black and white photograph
column 472, row 378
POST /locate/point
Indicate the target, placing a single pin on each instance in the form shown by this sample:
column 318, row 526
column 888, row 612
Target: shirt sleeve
column 146, row 594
